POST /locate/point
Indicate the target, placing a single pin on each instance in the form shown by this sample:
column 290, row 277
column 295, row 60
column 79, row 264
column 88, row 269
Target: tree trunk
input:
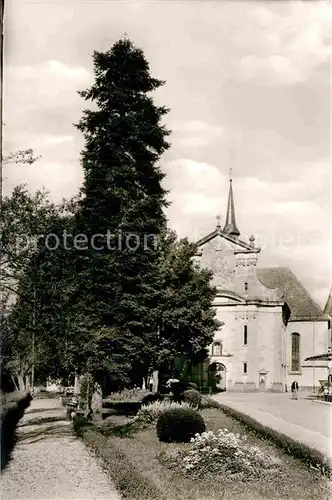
column 21, row 384
column 14, row 382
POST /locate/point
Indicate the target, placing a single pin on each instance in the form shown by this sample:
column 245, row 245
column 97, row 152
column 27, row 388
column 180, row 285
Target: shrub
column 127, row 395
column 192, row 397
column 179, row 425
column 208, row 402
column 81, row 425
column 151, row 398
column 122, row 407
column 150, row 413
column 225, row 452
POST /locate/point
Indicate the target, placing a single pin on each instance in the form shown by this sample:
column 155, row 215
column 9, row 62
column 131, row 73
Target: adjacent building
column 270, row 323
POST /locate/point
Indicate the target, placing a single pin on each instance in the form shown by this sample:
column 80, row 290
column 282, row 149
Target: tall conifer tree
column 124, row 201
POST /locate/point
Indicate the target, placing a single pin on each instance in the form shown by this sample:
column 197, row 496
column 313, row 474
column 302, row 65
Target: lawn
column 137, row 465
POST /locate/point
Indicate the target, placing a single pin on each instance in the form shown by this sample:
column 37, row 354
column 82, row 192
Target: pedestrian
column 295, row 388
column 329, row 396
column 326, row 392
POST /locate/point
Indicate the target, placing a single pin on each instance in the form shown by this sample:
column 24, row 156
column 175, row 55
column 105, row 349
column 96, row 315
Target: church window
column 245, row 335
column 216, row 349
column 245, row 368
column 295, row 352
column 246, row 287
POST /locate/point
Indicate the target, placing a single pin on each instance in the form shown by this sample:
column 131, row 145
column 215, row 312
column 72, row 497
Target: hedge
column 11, row 413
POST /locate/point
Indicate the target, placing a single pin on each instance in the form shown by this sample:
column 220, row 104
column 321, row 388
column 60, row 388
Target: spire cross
column 218, row 220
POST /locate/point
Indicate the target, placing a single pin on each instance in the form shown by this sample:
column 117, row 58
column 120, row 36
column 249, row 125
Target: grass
column 135, row 461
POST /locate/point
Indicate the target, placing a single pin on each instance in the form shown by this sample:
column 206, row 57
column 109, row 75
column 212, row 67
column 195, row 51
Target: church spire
column 230, row 224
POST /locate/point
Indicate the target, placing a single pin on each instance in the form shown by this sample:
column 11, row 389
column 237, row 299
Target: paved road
column 303, row 420
column 50, row 463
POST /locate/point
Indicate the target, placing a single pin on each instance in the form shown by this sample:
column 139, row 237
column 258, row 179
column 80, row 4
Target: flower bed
column 223, row 452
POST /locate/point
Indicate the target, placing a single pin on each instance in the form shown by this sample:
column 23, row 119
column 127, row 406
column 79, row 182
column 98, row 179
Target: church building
column 270, row 323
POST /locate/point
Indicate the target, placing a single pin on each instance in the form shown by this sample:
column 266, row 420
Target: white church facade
column 270, row 323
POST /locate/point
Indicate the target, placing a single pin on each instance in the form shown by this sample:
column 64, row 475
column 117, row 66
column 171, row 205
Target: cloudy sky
column 247, row 83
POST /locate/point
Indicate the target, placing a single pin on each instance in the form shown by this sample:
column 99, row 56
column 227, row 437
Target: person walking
column 326, row 392
column 295, row 388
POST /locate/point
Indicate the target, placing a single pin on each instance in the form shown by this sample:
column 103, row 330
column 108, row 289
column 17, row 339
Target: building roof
column 243, row 247
column 328, row 306
column 295, row 294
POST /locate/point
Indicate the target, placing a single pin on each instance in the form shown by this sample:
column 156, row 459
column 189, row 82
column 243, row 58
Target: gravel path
column 50, row 463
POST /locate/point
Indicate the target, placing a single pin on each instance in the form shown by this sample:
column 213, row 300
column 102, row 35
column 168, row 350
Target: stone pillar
column 155, row 383
column 77, row 384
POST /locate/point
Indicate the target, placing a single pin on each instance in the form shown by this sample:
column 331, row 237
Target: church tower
column 230, row 224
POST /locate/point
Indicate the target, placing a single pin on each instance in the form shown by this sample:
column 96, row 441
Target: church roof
column 328, row 306
column 242, row 245
column 295, row 294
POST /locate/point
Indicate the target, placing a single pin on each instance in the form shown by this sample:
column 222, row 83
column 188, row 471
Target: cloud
column 285, row 52
column 256, row 67
column 43, row 98
column 196, row 133
column 54, row 139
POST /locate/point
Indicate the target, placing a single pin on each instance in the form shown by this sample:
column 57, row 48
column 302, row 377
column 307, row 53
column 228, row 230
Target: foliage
column 123, row 407
column 36, row 281
column 24, row 156
column 150, row 413
column 118, row 311
column 138, row 465
column 123, row 198
column 207, row 402
column 192, row 397
column 196, row 370
column 127, row 395
column 86, row 387
column 41, row 310
column 179, row 425
column 23, row 219
column 188, row 321
column 152, row 397
column 153, row 297
column 225, row 452
column 81, row 425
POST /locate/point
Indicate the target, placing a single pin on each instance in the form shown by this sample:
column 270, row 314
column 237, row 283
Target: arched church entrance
column 219, row 373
